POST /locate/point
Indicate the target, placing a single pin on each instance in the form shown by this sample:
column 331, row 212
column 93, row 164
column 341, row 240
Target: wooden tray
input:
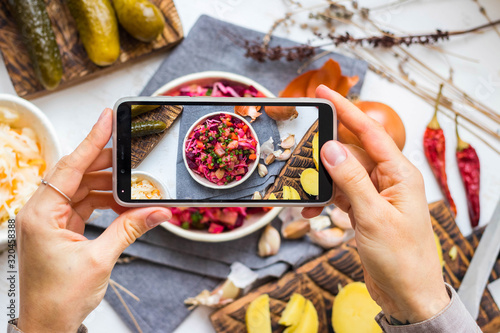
column 142, row 146
column 319, row 280
column 76, row 64
column 290, row 174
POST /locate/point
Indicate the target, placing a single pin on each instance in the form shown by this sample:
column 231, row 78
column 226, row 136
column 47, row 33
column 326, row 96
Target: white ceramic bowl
column 253, row 222
column 202, row 180
column 31, row 116
column 209, row 77
column 156, row 182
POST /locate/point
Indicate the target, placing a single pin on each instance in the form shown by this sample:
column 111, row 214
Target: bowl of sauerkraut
column 28, row 149
column 221, row 150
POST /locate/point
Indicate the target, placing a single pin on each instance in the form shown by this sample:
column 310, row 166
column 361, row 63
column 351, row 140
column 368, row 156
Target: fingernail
column 157, row 217
column 103, row 114
column 334, row 153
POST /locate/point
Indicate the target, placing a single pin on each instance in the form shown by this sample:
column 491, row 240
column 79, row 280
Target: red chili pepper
column 435, row 149
column 468, row 164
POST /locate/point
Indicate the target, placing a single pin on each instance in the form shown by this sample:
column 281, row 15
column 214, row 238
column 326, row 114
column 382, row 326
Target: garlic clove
column 289, row 142
column 261, row 168
column 320, row 222
column 269, row 242
column 267, row 148
column 256, row 196
column 270, row 159
column 296, row 229
column 340, row 218
column 284, row 155
column 327, row 238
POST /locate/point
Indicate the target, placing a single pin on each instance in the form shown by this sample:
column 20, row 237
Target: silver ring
column 44, row 182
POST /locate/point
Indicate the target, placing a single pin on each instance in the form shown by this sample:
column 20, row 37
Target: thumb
column 348, row 175
column 128, row 227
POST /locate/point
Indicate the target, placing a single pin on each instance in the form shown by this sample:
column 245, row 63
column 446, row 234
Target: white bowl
column 202, row 180
column 31, row 116
column 156, row 182
column 209, row 77
column 253, row 222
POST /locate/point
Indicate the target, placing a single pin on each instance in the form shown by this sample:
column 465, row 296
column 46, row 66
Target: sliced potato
column 309, row 179
column 293, row 311
column 354, row 310
column 309, row 321
column 258, row 316
column 315, row 145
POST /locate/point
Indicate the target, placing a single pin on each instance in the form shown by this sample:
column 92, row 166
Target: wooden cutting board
column 140, row 147
column 76, row 64
column 319, row 280
column 300, row 160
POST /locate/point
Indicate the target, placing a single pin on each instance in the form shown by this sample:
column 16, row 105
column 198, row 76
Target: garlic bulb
column 327, row 238
column 269, row 243
column 288, row 142
column 296, row 229
column 261, row 168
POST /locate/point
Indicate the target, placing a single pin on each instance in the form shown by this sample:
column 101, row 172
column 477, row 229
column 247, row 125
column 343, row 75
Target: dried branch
column 260, row 52
column 482, row 10
column 136, row 324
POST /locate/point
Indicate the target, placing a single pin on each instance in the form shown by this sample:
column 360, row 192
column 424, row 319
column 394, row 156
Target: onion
column 281, row 112
column 382, row 113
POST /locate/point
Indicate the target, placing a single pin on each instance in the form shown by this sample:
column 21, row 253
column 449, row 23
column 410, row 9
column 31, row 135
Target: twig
column 482, row 10
column 128, row 292
column 389, row 5
column 136, row 324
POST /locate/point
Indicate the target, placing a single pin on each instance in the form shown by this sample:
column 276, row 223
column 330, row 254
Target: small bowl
column 202, row 180
column 158, row 184
column 207, row 78
column 32, row 117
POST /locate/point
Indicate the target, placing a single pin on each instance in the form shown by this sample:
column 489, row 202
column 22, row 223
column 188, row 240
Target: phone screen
column 208, row 152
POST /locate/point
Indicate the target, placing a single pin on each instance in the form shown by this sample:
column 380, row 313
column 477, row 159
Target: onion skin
column 383, row 114
column 281, row 112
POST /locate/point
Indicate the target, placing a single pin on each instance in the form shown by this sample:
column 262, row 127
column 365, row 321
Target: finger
column 69, row 170
column 349, row 175
column 127, row 228
column 96, row 200
column 95, row 181
column 103, row 161
column 377, row 143
column 310, row 212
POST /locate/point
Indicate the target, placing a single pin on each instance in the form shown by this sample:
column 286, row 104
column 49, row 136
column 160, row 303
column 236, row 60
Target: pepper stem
column 461, row 144
column 434, row 124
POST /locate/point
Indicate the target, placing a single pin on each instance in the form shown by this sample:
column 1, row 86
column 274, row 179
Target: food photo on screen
column 225, row 152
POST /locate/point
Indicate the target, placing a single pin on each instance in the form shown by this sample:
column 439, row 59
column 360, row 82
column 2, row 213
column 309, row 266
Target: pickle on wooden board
column 98, row 29
column 140, row 18
column 34, row 24
column 136, row 110
column 142, row 128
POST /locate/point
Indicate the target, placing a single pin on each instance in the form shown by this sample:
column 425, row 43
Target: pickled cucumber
column 143, row 128
column 140, row 18
column 98, row 28
column 140, row 109
column 34, row 24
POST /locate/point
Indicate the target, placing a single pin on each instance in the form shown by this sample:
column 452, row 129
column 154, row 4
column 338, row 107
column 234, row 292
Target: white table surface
column 73, row 111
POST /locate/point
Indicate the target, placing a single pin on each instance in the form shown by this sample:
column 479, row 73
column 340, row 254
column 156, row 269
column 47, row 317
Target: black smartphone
column 218, row 152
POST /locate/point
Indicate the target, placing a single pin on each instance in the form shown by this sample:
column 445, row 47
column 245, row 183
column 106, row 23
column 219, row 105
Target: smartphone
column 221, row 152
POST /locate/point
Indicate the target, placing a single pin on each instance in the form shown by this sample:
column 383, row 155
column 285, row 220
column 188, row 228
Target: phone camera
column 122, row 170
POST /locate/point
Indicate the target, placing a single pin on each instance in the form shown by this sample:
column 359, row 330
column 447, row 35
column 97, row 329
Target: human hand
column 63, row 275
column 385, row 197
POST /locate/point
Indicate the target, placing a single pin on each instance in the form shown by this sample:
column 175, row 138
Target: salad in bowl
column 221, row 150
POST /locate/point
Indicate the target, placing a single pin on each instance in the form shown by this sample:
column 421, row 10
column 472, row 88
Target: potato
column 315, row 145
column 293, row 311
column 258, row 316
column 308, row 322
column 309, row 179
column 354, row 310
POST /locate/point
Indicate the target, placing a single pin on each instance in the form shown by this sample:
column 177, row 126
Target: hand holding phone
column 222, row 151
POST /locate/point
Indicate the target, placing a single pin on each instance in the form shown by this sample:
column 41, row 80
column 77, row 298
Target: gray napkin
column 163, row 288
column 188, row 188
